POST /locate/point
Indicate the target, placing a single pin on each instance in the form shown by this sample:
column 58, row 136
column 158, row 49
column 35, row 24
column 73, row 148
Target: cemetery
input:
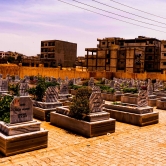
column 89, row 108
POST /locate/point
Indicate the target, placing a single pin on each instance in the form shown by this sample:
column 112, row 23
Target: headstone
column 53, row 79
column 23, row 89
column 95, row 100
column 47, row 79
column 3, row 85
column 142, row 98
column 91, row 82
column 150, row 87
column 117, row 86
column 66, row 80
column 64, row 89
column 59, row 80
column 21, row 110
column 51, row 94
column 112, row 84
column 17, row 78
column 71, row 82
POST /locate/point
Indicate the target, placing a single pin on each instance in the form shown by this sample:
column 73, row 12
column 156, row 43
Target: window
column 164, row 63
column 150, row 58
column 164, row 46
column 164, row 54
column 103, row 43
column 150, row 42
column 112, row 42
column 150, row 50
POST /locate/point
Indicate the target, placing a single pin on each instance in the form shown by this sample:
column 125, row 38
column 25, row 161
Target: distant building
column 126, row 55
column 56, row 53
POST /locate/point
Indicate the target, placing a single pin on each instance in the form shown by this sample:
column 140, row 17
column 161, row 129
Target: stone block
column 19, row 128
column 11, row 145
column 132, row 118
column 87, row 129
column 152, row 102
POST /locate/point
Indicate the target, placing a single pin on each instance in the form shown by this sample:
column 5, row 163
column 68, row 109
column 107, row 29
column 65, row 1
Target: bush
column 111, row 90
column 130, row 90
column 85, row 83
column 5, row 108
column 14, row 89
column 39, row 90
column 75, row 87
column 80, row 103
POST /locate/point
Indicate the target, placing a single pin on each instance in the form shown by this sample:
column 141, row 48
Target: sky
column 25, row 23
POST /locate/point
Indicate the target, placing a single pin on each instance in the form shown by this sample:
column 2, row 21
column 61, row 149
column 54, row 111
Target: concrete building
column 58, row 53
column 163, row 55
column 127, row 55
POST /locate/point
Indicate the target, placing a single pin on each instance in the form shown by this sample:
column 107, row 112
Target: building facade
column 128, row 55
column 56, row 53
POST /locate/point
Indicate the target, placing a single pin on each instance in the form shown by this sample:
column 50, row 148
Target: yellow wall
column 55, row 72
column 71, row 73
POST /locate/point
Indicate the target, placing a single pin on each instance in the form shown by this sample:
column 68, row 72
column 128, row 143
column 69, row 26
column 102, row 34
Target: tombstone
column 71, row 82
column 51, row 94
column 91, row 82
column 112, row 84
column 64, row 89
column 150, row 87
column 66, row 80
column 46, row 79
column 3, row 85
column 27, row 79
column 53, row 79
column 156, row 85
column 117, row 86
column 59, row 81
column 142, row 98
column 21, row 110
column 17, row 78
column 95, row 100
column 106, row 81
column 23, row 87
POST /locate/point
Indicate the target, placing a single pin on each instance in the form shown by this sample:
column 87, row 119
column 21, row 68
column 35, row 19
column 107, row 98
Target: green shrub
column 111, row 90
column 5, row 108
column 80, row 103
column 39, row 90
column 14, row 89
column 75, row 87
column 85, row 83
column 130, row 90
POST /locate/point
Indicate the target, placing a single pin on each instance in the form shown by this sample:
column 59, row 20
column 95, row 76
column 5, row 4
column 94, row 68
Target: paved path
column 128, row 146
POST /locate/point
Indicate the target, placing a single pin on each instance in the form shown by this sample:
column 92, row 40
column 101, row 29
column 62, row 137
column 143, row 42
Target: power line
column 111, row 17
column 127, row 12
column 119, row 14
column 137, row 9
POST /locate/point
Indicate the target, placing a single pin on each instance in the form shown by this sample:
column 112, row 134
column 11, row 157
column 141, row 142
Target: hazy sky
column 24, row 23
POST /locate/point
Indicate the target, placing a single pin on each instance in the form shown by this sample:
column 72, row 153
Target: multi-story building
column 128, row 55
column 58, row 53
column 163, row 55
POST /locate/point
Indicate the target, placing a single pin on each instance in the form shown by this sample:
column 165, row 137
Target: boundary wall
column 12, row 69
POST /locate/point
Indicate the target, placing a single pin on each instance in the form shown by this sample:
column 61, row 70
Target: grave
column 64, row 92
column 3, row 86
column 161, row 103
column 22, row 134
column 91, row 82
column 140, row 114
column 96, row 123
column 23, row 87
column 50, row 101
